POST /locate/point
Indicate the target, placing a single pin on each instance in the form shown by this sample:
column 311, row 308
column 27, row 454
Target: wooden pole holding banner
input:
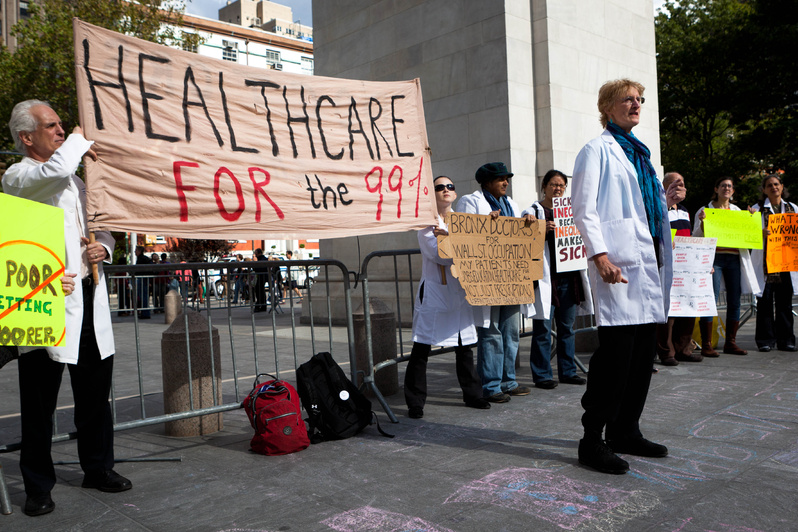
column 95, row 271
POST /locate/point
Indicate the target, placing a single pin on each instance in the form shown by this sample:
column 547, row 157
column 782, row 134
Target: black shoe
column 667, row 361
column 638, row 447
column 546, row 385
column 500, row 397
column 520, row 390
column 593, row 452
column 109, row 481
column 575, row 379
column 789, row 348
column 477, row 402
column 765, row 349
column 43, row 504
column 415, row 412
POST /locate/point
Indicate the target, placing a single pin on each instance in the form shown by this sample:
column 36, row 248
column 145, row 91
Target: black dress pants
column 416, row 374
column 618, row 380
column 39, row 381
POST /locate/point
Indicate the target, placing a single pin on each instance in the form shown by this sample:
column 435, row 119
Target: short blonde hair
column 610, row 92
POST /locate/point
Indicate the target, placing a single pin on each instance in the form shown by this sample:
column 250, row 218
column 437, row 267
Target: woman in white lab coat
column 442, row 316
column 731, row 265
column 620, row 208
column 775, row 289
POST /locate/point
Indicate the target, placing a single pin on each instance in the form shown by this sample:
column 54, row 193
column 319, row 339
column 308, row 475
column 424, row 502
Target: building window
column 190, row 47
column 307, row 64
column 272, row 56
column 230, row 51
column 230, row 54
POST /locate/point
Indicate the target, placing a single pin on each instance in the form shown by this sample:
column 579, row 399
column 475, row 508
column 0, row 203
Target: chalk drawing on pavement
column 556, row 498
column 369, row 519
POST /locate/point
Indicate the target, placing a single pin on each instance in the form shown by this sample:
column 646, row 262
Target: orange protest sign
column 782, row 246
column 196, row 147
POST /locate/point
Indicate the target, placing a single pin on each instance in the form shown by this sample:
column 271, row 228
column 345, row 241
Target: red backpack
column 274, row 411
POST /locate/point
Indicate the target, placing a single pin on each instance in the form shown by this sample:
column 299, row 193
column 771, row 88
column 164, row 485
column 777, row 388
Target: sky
column 210, row 9
column 301, row 8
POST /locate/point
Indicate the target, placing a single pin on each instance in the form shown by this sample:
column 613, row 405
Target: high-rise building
column 11, row 11
column 265, row 15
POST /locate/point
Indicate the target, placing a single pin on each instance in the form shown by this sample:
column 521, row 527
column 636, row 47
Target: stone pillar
column 383, row 344
column 172, row 306
column 176, row 378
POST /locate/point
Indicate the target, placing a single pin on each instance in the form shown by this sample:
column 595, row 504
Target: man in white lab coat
column 620, row 208
column 47, row 175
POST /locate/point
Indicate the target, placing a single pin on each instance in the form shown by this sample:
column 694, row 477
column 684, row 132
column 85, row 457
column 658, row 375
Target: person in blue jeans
column 497, row 326
column 732, row 265
column 557, row 298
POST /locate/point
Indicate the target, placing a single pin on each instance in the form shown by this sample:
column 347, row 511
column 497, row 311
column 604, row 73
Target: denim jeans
column 564, row 317
column 727, row 265
column 497, row 348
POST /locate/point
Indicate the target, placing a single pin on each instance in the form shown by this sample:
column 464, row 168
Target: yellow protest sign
column 32, row 306
column 782, row 250
column 496, row 261
column 734, row 229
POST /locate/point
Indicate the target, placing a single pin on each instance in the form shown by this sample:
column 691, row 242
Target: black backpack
column 336, row 408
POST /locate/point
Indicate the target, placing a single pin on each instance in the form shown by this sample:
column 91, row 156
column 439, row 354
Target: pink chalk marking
column 368, row 519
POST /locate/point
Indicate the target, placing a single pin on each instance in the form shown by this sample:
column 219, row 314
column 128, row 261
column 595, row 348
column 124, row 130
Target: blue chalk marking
column 570, row 510
column 590, row 498
column 543, row 496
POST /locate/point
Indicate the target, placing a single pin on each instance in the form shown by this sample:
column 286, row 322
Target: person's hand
column 676, row 193
column 68, row 283
column 609, row 272
column 94, row 251
column 528, row 219
column 702, row 215
column 440, row 232
column 89, row 153
column 550, row 226
column 751, row 209
column 494, row 214
column 766, row 231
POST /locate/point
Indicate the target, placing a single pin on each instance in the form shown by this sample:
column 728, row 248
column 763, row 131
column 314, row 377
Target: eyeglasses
column 557, row 185
column 441, row 188
column 629, row 99
column 726, row 186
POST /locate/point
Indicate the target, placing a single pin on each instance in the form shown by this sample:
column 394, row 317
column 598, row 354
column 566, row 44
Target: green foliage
column 43, row 66
column 727, row 101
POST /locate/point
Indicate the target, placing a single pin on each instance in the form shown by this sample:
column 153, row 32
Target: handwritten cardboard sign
column 496, row 261
column 691, row 292
column 196, row 147
column 734, row 229
column 567, row 239
column 782, row 249
column 32, row 309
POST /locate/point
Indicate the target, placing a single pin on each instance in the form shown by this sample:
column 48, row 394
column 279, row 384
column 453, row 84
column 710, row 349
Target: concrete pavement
column 731, row 425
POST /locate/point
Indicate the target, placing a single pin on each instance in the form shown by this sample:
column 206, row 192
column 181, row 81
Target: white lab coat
column 475, row 203
column 443, row 313
column 543, row 288
column 758, row 255
column 748, row 279
column 609, row 212
column 54, row 183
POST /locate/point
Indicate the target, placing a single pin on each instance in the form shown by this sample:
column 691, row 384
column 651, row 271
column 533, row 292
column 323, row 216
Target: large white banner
column 196, row 147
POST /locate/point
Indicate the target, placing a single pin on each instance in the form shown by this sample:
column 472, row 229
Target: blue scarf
column 640, row 157
column 499, row 204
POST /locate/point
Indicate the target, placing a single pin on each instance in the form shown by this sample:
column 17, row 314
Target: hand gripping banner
column 195, row 147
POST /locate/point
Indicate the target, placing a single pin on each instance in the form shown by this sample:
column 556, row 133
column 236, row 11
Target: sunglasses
column 441, row 188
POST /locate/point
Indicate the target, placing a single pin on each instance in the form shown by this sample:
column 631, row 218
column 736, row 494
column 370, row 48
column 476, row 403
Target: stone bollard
column 176, row 377
column 383, row 344
column 172, row 305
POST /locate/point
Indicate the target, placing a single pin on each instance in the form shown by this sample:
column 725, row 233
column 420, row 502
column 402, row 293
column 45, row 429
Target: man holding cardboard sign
column 497, row 326
column 47, row 175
